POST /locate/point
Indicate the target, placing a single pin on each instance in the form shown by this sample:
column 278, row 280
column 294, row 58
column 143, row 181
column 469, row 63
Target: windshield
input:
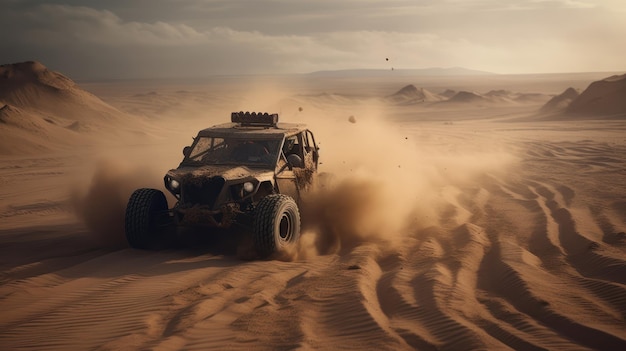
column 220, row 151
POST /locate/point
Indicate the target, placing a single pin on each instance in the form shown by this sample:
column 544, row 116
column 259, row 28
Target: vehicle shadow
column 71, row 251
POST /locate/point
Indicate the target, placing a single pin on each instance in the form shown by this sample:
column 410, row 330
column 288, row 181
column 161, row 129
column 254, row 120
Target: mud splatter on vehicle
column 249, row 173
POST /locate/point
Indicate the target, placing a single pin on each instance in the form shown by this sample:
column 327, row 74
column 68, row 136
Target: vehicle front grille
column 201, row 190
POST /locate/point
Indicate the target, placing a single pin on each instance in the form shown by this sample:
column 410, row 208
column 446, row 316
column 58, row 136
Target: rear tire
column 276, row 224
column 144, row 212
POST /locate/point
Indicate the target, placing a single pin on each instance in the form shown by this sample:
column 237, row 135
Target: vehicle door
column 311, row 151
column 287, row 181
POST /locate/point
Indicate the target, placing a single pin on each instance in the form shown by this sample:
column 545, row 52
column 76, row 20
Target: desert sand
column 461, row 214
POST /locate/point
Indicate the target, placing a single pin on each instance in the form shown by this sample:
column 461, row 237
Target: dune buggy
column 249, row 173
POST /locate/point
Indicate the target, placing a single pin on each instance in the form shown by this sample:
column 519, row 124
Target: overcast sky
column 89, row 39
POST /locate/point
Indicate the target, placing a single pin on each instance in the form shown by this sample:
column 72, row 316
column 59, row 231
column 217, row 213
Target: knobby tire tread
column 265, row 222
column 137, row 219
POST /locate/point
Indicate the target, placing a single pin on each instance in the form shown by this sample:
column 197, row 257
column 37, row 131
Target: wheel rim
column 284, row 228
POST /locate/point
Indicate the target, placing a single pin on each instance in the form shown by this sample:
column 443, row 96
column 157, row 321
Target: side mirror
column 186, row 151
column 295, row 161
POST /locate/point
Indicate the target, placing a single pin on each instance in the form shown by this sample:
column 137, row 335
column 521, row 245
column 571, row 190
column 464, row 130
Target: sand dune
column 30, row 85
column 513, row 97
column 603, row 97
column 412, row 95
column 493, row 97
column 45, row 110
column 562, row 101
column 494, row 231
column 467, row 97
column 26, row 131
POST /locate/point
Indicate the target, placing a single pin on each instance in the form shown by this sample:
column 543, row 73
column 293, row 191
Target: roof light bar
column 257, row 119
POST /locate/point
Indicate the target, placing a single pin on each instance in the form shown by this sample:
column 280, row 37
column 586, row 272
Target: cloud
column 192, row 37
column 88, row 25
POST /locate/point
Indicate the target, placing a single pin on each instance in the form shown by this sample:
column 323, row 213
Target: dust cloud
column 101, row 204
column 100, row 193
column 380, row 183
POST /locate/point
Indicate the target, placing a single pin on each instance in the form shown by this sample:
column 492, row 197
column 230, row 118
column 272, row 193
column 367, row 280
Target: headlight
column 248, row 187
column 174, row 184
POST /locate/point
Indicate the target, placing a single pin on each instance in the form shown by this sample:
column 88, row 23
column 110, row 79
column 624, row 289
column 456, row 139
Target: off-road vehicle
column 249, row 173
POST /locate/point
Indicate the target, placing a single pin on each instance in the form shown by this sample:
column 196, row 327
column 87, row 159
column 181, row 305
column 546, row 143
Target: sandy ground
column 448, row 227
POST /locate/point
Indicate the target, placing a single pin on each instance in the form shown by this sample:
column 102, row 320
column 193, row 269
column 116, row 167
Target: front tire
column 145, row 209
column 276, row 224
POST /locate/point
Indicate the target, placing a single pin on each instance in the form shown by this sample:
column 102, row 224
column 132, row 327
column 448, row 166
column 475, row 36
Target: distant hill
column 435, row 71
column 561, row 101
column 507, row 96
column 448, row 93
column 31, row 86
column 493, row 97
column 412, row 95
column 43, row 110
column 602, row 98
column 467, row 97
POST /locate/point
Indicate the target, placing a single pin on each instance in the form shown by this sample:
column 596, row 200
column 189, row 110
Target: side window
column 294, row 150
column 291, row 146
column 296, row 144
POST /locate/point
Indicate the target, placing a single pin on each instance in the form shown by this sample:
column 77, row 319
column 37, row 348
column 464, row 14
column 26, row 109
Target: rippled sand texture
column 475, row 227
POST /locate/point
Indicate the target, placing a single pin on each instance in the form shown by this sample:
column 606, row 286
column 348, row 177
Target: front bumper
column 203, row 216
